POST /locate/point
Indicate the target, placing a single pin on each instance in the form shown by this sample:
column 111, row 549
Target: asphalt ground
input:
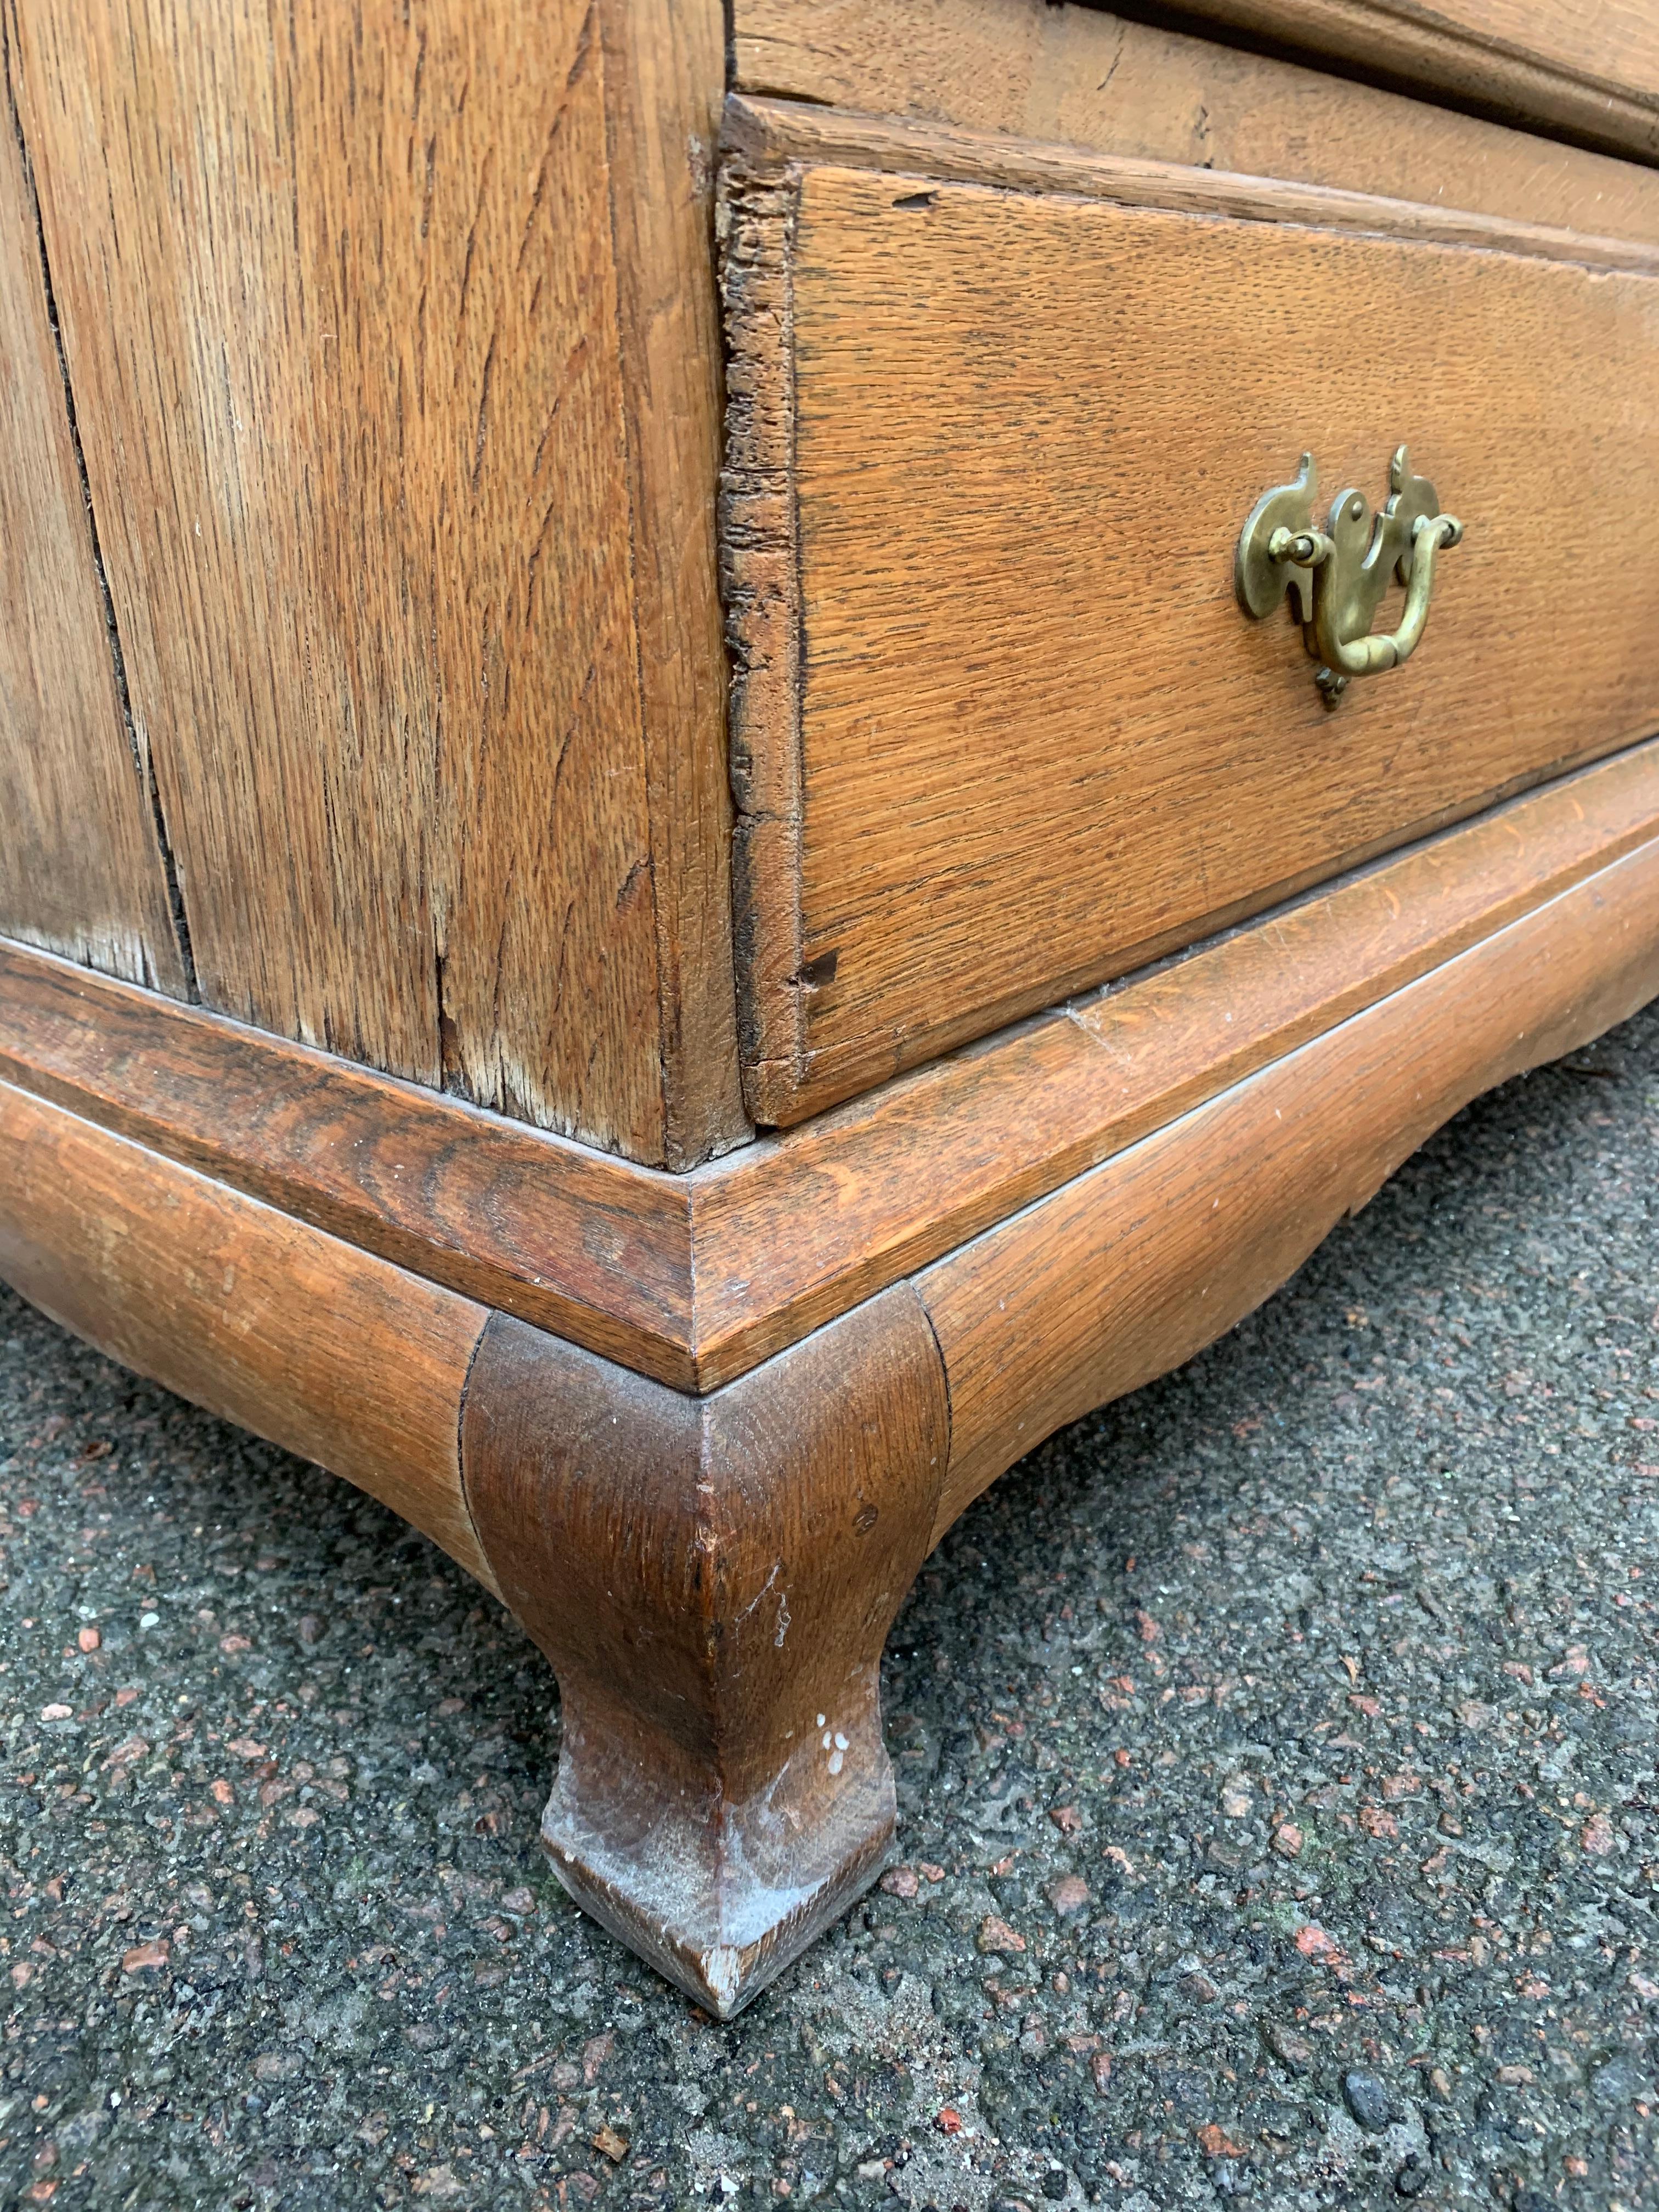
column 1276, row 1754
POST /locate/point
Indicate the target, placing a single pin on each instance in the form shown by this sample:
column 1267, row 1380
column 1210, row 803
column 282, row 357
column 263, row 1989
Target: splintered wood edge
column 769, row 136
column 760, row 580
column 695, row 1279
column 664, row 64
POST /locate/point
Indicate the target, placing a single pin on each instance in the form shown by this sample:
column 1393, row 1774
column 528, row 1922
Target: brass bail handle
column 1338, row 575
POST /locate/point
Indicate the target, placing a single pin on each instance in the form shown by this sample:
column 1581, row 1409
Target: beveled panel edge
column 1186, row 89
column 695, row 1279
column 1417, row 50
column 773, row 134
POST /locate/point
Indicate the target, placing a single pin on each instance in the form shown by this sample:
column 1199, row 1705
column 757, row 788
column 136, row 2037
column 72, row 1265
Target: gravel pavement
column 1276, row 1756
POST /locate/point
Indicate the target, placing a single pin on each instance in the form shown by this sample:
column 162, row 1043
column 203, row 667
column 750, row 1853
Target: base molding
column 713, row 1575
column 685, row 1277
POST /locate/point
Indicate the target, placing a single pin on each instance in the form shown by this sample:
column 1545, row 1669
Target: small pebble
column 996, row 1935
column 1366, row 2098
column 1290, row 2049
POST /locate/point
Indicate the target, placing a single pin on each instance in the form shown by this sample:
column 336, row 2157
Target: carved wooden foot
column 713, row 1580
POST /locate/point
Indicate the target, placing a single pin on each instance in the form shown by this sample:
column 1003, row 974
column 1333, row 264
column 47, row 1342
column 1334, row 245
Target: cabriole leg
column 713, row 1580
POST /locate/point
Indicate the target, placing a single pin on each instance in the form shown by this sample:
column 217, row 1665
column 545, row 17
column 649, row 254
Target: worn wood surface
column 1035, row 70
column 780, row 138
column 694, row 1279
column 80, row 869
column 1035, row 743
column 403, row 490
column 665, row 71
column 302, row 1338
column 575, row 1240
column 1131, row 1269
column 713, row 1580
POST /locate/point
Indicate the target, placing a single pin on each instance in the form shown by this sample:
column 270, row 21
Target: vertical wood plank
column 339, row 297
column 81, row 869
column 665, row 85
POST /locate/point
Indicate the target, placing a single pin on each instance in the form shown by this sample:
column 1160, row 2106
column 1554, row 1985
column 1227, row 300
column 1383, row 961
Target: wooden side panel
column 1037, row 742
column 81, row 869
column 340, row 299
column 1134, row 1267
column 1032, row 69
column 665, row 82
column 307, row 1342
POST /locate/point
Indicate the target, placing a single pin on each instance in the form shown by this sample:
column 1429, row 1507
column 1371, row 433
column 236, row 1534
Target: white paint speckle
column 841, row 1741
column 834, row 1762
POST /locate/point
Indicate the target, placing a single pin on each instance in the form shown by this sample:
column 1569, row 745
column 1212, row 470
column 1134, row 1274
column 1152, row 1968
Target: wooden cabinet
column 656, row 893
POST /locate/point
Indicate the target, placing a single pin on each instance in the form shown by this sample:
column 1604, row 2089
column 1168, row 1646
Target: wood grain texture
column 695, row 1279
column 1077, row 76
column 713, row 1580
column 1591, row 72
column 664, row 69
column 295, row 1335
column 995, row 775
column 80, row 870
column 400, row 485
column 575, row 1240
column 1132, row 1269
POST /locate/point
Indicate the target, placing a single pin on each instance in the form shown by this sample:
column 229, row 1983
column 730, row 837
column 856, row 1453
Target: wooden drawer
column 996, row 417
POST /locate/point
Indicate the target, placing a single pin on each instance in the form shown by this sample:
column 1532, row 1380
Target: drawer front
column 1000, row 728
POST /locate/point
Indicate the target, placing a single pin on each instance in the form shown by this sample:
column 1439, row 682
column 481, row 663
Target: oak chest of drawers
column 733, row 767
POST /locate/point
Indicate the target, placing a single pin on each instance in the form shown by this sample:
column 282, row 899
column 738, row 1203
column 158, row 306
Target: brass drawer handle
column 1338, row 575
